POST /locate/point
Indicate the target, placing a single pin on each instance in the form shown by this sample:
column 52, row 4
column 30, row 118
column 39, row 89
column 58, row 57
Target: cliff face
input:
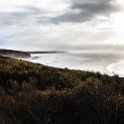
column 14, row 54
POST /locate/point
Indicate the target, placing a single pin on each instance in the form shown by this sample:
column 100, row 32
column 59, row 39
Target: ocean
column 108, row 62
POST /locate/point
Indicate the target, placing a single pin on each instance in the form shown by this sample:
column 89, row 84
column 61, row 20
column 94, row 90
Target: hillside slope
column 37, row 94
column 14, row 53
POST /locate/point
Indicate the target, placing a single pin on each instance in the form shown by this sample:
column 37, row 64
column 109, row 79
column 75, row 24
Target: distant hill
column 14, row 53
column 45, row 52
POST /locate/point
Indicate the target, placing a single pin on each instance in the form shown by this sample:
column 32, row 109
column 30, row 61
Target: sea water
column 108, row 63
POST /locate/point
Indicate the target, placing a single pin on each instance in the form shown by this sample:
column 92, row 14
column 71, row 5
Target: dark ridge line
column 45, row 52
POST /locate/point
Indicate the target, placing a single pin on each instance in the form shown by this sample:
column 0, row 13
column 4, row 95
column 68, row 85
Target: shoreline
column 117, row 71
column 106, row 69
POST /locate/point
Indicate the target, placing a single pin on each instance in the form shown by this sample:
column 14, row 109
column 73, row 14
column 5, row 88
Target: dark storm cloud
column 85, row 10
column 95, row 7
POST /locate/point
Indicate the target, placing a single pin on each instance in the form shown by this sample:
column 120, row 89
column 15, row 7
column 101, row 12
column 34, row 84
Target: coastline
column 79, row 62
column 116, row 68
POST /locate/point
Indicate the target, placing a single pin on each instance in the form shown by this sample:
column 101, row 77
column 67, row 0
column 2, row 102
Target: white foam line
column 110, row 68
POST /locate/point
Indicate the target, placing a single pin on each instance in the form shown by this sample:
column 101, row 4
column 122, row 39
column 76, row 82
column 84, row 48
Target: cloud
column 20, row 17
column 73, row 11
column 86, row 10
column 58, row 24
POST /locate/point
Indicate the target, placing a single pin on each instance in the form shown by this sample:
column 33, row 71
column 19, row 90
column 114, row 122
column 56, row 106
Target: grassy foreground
column 37, row 94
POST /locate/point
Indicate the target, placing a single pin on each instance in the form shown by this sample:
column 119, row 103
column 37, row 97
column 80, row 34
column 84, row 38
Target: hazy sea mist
column 106, row 62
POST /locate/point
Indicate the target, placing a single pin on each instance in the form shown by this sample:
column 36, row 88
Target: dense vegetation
column 37, row 94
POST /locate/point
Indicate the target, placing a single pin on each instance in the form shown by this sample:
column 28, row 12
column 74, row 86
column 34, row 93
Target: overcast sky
column 61, row 24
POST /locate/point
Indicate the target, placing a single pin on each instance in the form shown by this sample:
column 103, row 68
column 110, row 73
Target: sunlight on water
column 109, row 63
